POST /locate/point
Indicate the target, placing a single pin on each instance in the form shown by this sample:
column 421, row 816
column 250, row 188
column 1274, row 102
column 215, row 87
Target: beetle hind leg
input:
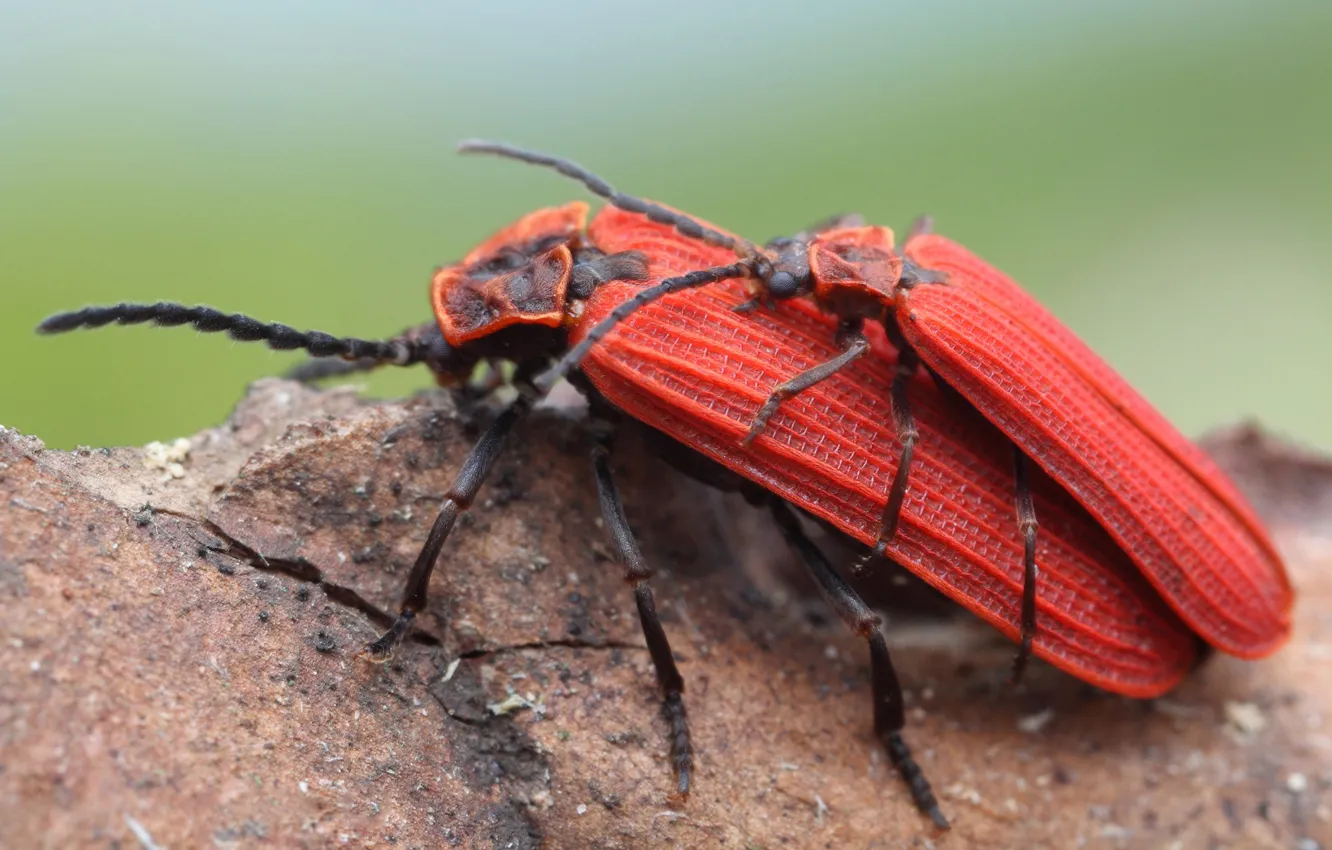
column 1027, row 525
column 638, row 573
column 889, row 714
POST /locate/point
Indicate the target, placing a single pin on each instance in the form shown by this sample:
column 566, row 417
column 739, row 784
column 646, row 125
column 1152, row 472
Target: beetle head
column 785, row 273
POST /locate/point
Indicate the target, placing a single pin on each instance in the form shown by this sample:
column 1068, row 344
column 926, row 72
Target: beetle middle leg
column 456, row 501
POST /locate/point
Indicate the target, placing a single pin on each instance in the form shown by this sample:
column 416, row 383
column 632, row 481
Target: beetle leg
column 907, row 364
column 1026, row 519
column 854, row 345
column 760, row 300
column 889, row 716
column 457, row 500
column 637, row 573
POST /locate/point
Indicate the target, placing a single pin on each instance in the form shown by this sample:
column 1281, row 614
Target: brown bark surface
column 177, row 666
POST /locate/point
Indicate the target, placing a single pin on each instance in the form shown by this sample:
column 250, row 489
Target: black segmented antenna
column 754, row 261
column 322, row 368
column 686, row 225
column 574, row 357
column 924, row 224
column 240, row 328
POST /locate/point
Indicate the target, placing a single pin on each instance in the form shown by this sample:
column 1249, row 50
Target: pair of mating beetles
column 769, row 368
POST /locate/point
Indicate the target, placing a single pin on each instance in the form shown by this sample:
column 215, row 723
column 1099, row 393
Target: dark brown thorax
column 855, row 271
column 514, row 296
column 519, row 276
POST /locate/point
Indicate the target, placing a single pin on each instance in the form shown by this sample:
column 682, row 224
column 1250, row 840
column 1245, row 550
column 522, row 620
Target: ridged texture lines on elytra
column 1187, row 530
column 980, row 277
column 697, row 370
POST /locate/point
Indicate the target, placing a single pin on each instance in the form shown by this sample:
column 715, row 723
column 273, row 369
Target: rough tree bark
column 178, row 671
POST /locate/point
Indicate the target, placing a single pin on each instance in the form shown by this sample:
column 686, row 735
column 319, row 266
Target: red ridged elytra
column 980, row 335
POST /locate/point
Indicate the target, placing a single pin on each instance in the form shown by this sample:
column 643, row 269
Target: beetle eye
column 783, row 284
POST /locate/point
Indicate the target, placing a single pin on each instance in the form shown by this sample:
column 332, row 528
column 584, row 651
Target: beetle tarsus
column 382, row 650
column 682, row 754
column 921, row 793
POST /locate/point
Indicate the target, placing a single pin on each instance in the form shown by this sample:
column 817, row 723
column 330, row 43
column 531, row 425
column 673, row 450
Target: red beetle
column 978, row 333
column 694, row 369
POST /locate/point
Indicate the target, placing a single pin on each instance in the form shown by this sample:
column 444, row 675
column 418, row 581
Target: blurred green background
column 1159, row 173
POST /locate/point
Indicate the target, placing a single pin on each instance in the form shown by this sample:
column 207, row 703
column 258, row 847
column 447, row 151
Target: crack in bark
column 546, row 644
column 306, row 572
column 299, row 569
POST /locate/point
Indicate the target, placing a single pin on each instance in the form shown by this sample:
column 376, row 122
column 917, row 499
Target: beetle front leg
column 854, row 345
column 458, row 499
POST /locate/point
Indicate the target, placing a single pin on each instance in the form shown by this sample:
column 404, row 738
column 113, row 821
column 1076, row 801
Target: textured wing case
column 693, row 368
column 1175, row 513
